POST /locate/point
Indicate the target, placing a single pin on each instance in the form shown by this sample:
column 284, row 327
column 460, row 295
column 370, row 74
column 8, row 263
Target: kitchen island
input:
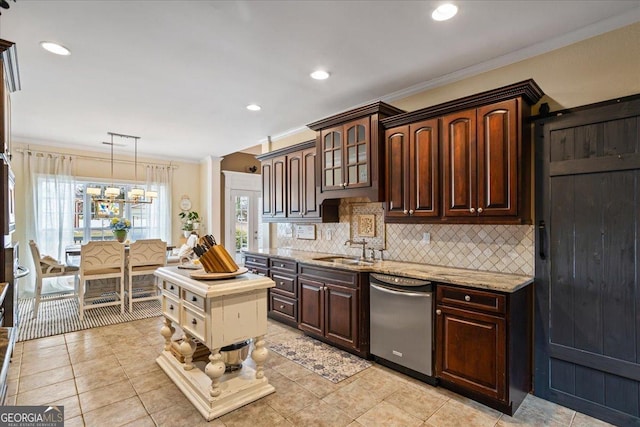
column 215, row 313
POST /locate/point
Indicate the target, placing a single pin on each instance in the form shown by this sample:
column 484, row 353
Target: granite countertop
column 501, row 282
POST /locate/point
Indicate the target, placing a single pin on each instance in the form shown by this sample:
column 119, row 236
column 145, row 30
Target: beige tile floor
column 108, row 377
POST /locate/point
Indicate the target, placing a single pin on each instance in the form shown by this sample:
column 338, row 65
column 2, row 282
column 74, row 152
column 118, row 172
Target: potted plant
column 190, row 221
column 120, row 227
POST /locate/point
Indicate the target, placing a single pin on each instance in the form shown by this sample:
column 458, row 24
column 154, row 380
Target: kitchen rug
column 61, row 316
column 327, row 361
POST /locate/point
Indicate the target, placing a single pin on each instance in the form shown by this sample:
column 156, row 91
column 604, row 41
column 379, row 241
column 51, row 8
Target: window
column 91, row 216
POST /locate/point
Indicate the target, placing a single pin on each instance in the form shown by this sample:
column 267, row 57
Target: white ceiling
column 180, row 73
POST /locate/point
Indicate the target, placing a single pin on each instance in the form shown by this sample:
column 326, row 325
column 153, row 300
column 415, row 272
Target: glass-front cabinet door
column 345, row 155
column 332, row 159
column 357, row 159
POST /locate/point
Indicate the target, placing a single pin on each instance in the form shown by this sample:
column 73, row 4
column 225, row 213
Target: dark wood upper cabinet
column 413, row 172
column 482, row 162
column 279, row 192
column 289, row 186
column 459, row 163
column 500, row 156
column 301, row 190
column 484, row 172
column 267, row 185
column 274, row 187
column 351, row 151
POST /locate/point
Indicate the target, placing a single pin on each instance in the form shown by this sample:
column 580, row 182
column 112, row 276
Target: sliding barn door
column 588, row 261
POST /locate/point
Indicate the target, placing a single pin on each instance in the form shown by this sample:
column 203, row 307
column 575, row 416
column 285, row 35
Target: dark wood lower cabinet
column 283, row 298
column 334, row 307
column 483, row 344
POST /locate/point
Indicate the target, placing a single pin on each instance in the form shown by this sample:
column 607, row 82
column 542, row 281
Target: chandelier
column 112, row 193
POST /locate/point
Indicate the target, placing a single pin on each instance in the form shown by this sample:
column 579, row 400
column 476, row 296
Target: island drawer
column 194, row 299
column 171, row 288
column 193, row 321
column 170, row 307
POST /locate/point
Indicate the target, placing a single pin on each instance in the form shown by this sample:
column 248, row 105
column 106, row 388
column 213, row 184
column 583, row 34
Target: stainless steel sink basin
column 343, row 260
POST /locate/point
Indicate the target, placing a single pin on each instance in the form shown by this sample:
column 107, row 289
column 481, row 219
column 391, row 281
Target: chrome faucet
column 364, row 246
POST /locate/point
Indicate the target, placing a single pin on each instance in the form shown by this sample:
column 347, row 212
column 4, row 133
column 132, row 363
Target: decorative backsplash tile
column 501, row 248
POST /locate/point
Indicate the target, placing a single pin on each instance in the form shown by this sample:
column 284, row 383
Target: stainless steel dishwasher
column 401, row 324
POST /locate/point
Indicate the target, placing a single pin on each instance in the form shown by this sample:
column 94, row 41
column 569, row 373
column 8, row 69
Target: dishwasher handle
column 395, row 292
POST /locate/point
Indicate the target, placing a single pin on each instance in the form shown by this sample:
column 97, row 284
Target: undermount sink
column 344, row 260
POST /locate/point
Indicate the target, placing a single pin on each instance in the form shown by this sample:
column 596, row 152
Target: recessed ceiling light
column 56, row 48
column 254, row 107
column 319, row 75
column 444, row 12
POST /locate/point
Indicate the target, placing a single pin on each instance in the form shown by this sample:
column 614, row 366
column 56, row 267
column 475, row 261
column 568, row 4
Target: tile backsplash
column 500, row 248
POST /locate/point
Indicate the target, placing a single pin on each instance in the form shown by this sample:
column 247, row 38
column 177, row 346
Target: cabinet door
column 341, row 314
column 331, row 149
column 471, row 350
column 357, row 158
column 267, row 188
column 310, row 201
column 424, row 169
column 459, row 163
column 279, row 187
column 311, row 306
column 397, row 174
column 295, row 188
column 498, row 159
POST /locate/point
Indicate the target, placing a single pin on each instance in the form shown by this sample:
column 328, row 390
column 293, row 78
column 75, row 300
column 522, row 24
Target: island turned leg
column 259, row 355
column 167, row 332
column 187, row 348
column 215, row 369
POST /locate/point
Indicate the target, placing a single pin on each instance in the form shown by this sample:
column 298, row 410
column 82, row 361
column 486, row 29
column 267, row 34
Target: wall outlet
column 327, row 235
column 426, row 237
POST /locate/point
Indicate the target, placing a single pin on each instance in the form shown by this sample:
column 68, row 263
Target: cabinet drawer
column 194, row 299
column 171, row 307
column 260, row 271
column 330, row 275
column 256, row 261
column 283, row 265
column 284, row 283
column 171, row 288
column 283, row 305
column 193, row 322
column 472, row 299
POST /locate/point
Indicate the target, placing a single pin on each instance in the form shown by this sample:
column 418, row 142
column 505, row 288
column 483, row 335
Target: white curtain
column 50, row 197
column 159, row 179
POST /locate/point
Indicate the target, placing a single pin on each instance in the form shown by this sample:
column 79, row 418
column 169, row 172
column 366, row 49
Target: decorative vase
column 121, row 235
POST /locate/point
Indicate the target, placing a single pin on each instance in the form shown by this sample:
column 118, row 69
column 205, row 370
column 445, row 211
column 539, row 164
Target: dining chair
column 47, row 267
column 101, row 260
column 145, row 256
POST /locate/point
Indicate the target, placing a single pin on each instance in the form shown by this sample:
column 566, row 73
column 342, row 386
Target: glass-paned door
column 245, row 218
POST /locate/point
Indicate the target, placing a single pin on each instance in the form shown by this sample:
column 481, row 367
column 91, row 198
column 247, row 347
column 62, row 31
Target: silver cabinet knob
column 281, row 283
column 281, row 307
column 405, row 212
column 438, row 312
column 472, row 210
column 467, row 298
column 480, row 210
column 410, row 211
